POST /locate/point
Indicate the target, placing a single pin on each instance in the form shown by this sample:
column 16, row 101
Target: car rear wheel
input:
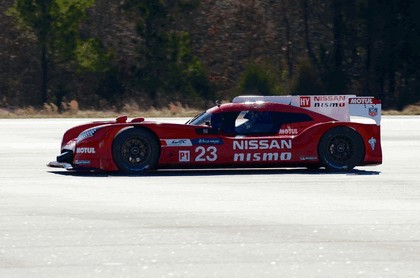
column 135, row 150
column 341, row 149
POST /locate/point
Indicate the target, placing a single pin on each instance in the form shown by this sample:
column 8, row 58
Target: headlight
column 86, row 134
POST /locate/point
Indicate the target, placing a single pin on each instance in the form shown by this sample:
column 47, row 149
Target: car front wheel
column 135, row 150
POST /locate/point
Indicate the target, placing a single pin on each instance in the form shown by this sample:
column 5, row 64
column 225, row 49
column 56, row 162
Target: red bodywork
column 189, row 146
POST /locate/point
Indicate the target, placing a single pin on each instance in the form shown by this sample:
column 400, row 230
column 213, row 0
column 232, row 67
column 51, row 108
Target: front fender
column 96, row 151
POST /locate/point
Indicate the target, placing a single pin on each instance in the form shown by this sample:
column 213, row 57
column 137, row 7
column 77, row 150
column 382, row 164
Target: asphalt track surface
column 218, row 223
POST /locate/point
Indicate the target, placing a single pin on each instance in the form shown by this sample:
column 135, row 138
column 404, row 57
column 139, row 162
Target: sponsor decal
column 86, row 150
column 82, row 162
column 364, row 100
column 255, row 157
column 323, row 101
column 330, row 104
column 262, row 144
column 273, row 144
column 288, row 131
column 184, row 156
column 372, row 143
column 178, row 142
column 361, row 101
column 304, row 158
column 305, row 101
column 207, row 141
column 373, row 111
column 329, row 98
column 329, row 101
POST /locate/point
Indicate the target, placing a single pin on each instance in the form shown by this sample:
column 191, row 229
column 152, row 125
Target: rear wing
column 344, row 108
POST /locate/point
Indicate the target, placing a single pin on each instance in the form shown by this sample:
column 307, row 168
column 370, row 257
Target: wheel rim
column 136, row 151
column 341, row 148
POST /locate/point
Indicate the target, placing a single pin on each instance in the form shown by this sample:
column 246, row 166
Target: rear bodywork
column 200, row 145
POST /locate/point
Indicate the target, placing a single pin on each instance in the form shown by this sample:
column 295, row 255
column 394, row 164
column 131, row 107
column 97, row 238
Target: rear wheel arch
column 341, row 148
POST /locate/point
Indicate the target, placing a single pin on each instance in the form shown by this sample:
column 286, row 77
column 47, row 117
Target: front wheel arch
column 340, row 149
column 135, row 150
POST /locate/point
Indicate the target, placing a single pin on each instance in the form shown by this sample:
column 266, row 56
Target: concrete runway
column 258, row 223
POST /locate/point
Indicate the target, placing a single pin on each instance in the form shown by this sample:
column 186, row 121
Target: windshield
column 201, row 119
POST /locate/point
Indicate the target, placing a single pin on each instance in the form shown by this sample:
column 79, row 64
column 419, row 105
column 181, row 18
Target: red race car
column 337, row 132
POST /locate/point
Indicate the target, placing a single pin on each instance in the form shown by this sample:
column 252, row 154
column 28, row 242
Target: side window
column 241, row 119
column 224, row 122
column 255, row 122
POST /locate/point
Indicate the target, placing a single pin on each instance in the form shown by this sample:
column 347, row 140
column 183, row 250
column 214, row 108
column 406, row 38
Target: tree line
column 153, row 52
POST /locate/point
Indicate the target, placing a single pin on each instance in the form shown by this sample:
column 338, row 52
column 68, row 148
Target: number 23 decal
column 206, row 154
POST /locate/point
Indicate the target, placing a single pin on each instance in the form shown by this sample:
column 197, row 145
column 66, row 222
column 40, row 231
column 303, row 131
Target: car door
column 250, row 137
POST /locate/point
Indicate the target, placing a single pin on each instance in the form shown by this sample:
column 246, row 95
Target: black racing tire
column 341, row 149
column 135, row 150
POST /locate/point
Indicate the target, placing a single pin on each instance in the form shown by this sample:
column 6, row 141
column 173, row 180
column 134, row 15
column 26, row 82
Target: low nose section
column 66, row 156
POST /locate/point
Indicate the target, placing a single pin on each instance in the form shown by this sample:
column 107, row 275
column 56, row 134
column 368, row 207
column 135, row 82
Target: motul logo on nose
column 85, row 150
column 361, row 101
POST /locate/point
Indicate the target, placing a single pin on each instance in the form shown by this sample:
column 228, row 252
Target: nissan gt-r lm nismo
column 337, row 132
